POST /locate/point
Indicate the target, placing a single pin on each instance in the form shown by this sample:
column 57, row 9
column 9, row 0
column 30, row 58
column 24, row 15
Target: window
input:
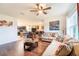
column 72, row 26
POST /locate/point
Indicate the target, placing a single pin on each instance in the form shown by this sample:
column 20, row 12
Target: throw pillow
column 63, row 50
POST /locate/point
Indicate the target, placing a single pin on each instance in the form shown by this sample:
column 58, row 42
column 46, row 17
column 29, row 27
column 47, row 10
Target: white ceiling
column 15, row 10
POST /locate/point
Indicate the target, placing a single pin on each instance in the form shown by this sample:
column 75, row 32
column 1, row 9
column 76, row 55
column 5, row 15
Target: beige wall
column 29, row 23
column 62, row 25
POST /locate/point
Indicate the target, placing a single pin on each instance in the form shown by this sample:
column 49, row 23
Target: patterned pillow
column 57, row 49
column 59, row 39
column 52, row 48
column 63, row 50
column 66, row 38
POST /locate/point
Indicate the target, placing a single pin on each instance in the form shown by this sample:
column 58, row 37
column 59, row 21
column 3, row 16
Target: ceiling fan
column 40, row 8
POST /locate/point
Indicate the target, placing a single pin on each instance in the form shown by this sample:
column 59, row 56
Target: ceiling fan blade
column 37, row 5
column 44, row 12
column 47, row 8
column 41, row 7
column 33, row 10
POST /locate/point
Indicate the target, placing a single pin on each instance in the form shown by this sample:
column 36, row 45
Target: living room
column 48, row 23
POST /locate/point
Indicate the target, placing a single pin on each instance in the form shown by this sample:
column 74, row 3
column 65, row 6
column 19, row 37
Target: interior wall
column 62, row 25
column 8, row 34
column 29, row 23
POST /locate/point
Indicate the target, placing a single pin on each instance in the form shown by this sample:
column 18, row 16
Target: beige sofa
column 69, row 47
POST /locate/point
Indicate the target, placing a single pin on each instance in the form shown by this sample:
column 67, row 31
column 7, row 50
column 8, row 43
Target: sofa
column 68, row 47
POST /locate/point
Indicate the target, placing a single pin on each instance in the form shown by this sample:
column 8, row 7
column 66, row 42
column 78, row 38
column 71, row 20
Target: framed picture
column 21, row 28
column 5, row 23
column 54, row 25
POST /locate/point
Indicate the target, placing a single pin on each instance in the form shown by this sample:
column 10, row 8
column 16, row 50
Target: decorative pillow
column 53, row 34
column 73, row 41
column 66, row 38
column 63, row 50
column 57, row 49
column 51, row 49
column 59, row 39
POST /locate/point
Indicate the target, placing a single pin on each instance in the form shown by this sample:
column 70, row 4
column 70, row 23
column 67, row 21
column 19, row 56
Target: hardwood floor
column 17, row 49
